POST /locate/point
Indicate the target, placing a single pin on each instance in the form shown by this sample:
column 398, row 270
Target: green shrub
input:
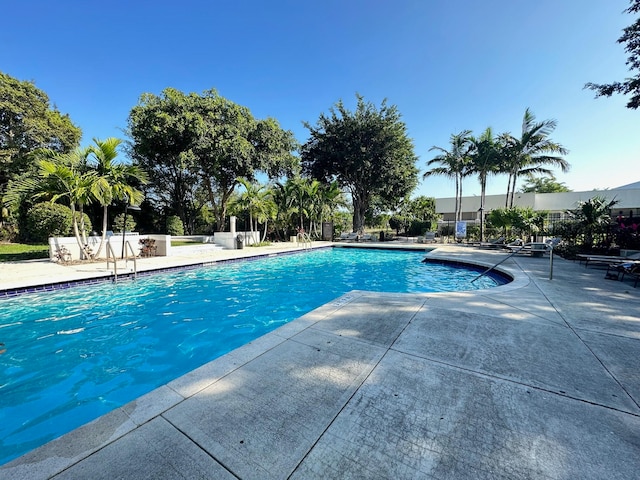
column 46, row 220
column 119, row 220
column 174, row 226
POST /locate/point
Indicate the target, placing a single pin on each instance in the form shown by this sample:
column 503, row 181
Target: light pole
column 124, row 224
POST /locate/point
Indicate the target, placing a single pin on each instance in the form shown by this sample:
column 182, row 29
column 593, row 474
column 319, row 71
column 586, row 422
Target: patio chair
column 534, row 249
column 605, row 259
column 348, row 237
column 495, row 243
column 631, row 269
column 617, row 271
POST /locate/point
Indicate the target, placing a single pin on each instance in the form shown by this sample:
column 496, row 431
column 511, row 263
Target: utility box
column 327, row 231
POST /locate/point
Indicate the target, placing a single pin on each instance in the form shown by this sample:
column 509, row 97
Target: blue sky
column 448, row 65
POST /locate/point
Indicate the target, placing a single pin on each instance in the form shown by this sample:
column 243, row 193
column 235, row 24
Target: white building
column 557, row 204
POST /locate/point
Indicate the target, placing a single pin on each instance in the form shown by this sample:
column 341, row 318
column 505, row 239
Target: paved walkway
column 539, row 379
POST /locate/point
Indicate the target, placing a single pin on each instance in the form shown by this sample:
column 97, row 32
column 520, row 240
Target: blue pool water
column 73, row 355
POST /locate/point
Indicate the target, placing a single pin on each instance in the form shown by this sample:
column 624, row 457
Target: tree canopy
column 28, row 123
column 366, row 151
column 505, row 154
column 546, row 184
column 453, row 163
column 196, row 147
column 631, row 85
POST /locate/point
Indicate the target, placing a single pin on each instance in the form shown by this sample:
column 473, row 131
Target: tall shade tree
column 453, row 163
column 28, row 123
column 531, row 152
column 119, row 180
column 196, row 147
column 366, row 151
column 631, row 85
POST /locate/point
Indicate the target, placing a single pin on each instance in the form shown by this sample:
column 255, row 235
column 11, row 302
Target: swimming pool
column 75, row 354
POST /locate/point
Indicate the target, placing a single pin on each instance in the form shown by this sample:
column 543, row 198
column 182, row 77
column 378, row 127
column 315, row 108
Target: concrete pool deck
column 536, row 379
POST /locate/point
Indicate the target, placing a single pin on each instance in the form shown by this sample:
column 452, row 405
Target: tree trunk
column 78, row 233
column 104, row 230
column 459, row 218
column 359, row 211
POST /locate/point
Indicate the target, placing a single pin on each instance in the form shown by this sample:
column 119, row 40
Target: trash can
column 239, row 242
column 382, row 236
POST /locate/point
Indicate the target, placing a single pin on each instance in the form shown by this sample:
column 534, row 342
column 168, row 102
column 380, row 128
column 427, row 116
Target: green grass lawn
column 12, row 252
column 182, row 243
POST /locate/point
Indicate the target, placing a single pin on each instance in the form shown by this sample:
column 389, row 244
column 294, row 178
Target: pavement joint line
column 575, row 332
column 355, row 391
column 204, row 450
column 515, row 382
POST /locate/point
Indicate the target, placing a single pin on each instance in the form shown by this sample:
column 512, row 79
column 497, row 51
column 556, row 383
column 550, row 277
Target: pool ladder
column 304, row 239
column 111, row 254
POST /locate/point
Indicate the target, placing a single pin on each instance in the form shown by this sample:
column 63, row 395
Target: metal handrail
column 306, row 239
column 133, row 255
column 549, row 247
column 115, row 262
column 504, row 259
column 112, row 254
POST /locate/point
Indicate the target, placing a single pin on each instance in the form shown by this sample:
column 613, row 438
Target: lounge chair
column 348, row 237
column 605, row 259
column 535, row 249
column 430, row 237
column 495, row 243
column 617, row 271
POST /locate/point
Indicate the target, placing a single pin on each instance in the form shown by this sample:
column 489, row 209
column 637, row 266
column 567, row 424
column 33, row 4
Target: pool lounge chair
column 605, row 259
column 535, row 249
column 495, row 243
column 617, row 271
column 348, row 237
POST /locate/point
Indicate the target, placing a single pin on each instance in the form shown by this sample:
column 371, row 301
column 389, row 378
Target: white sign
column 461, row 229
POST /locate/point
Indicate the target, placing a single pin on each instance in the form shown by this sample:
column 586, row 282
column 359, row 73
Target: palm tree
column 115, row 179
column 65, row 176
column 531, row 152
column 287, row 204
column 266, row 209
column 258, row 201
column 484, row 160
column 593, row 217
column 330, row 198
column 453, row 163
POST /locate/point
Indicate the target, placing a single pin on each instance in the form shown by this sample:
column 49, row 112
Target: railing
column 133, row 255
column 111, row 254
column 549, row 247
column 304, row 239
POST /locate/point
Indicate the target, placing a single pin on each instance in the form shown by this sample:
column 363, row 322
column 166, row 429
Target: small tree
column 118, row 222
column 175, row 227
column 593, row 218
